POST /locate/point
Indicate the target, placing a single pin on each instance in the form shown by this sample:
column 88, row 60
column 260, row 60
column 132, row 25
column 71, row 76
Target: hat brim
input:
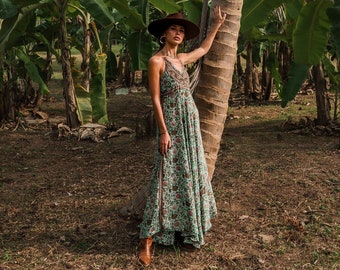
column 158, row 27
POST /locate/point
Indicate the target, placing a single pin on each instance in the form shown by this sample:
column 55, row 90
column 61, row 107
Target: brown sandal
column 144, row 255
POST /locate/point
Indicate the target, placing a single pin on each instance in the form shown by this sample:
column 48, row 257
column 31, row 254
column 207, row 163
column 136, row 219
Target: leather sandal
column 144, row 255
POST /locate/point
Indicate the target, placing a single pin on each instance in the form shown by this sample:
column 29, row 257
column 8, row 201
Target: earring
column 162, row 40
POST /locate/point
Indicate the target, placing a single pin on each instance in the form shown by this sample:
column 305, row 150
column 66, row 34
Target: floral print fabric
column 180, row 198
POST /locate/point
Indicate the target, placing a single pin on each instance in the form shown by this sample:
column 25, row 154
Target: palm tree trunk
column 212, row 93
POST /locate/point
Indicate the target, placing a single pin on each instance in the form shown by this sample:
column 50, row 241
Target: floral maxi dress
column 180, row 197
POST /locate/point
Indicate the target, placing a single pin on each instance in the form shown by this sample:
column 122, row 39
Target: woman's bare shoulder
column 156, row 59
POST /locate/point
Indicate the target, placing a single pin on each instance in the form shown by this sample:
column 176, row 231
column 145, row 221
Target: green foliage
column 306, row 30
column 132, row 17
column 332, row 73
column 83, row 98
column 293, row 9
column 6, row 29
column 32, row 71
column 296, row 76
column 141, row 44
column 20, row 24
column 98, row 89
column 7, row 9
column 334, row 15
column 272, row 65
column 254, row 12
column 99, row 11
column 311, row 32
column 167, row 6
column 84, row 107
column 193, row 10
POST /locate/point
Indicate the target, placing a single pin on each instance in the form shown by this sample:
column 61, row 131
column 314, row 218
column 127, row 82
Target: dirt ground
column 277, row 194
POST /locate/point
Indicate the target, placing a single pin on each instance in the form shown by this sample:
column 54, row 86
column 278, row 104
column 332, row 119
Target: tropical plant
column 307, row 26
column 20, row 49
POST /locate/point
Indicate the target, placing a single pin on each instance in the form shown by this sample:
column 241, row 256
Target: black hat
column 158, row 27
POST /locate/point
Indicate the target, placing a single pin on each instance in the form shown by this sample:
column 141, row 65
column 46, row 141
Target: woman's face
column 175, row 34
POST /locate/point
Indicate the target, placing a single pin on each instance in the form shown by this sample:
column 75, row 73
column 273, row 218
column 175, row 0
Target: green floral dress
column 180, row 198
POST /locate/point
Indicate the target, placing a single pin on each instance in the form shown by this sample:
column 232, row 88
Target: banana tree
column 133, row 17
column 20, row 44
column 334, row 15
column 308, row 27
column 310, row 38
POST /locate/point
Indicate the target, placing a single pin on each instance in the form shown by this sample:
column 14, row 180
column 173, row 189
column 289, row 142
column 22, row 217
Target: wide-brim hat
column 158, row 27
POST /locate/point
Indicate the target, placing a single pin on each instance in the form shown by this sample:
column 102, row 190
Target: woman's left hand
column 219, row 16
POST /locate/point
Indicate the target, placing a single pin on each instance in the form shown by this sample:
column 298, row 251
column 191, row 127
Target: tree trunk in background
column 239, row 67
column 213, row 90
column 284, row 58
column 248, row 76
column 8, row 110
column 69, row 91
column 267, row 78
column 85, row 64
column 322, row 101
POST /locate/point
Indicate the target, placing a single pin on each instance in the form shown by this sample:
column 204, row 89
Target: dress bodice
column 173, row 79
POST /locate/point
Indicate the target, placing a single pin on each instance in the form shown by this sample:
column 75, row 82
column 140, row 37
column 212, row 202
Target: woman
column 180, row 203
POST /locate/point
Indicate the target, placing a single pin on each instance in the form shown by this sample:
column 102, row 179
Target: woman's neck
column 170, row 52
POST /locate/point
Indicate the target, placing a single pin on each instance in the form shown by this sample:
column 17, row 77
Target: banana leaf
column 7, row 9
column 142, row 7
column 32, row 71
column 194, row 10
column 98, row 89
column 296, row 76
column 331, row 71
column 99, row 11
column 83, row 98
column 17, row 25
column 311, row 32
column 272, row 65
column 84, row 107
column 6, row 29
column 254, row 12
column 133, row 18
column 140, row 48
column 168, row 6
column 334, row 15
column 293, row 9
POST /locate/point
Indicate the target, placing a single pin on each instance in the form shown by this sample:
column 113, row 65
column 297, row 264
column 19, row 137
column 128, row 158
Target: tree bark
column 85, row 64
column 284, row 58
column 8, row 109
column 248, row 81
column 322, row 101
column 69, row 90
column 213, row 90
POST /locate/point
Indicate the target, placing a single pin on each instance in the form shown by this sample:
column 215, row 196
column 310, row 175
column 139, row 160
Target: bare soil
column 277, row 194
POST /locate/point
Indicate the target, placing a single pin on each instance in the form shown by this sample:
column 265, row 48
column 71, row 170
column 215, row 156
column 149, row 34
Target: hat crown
column 177, row 15
column 158, row 27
